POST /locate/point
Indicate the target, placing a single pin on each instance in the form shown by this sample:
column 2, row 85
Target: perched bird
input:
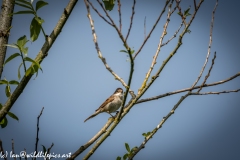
column 111, row 104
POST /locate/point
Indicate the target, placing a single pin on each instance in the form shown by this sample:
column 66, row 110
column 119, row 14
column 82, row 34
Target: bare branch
column 99, row 13
column 209, row 46
column 99, row 51
column 154, row 61
column 40, row 57
column 37, row 139
column 2, row 151
column 175, row 34
column 180, row 12
column 187, row 89
column 154, row 131
column 131, row 19
column 120, row 16
column 206, row 93
column 148, row 36
column 195, row 6
column 209, row 71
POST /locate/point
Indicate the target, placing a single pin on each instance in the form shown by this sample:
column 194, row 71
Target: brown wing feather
column 110, row 99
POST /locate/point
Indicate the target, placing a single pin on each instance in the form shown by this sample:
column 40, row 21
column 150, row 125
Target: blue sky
column 74, row 83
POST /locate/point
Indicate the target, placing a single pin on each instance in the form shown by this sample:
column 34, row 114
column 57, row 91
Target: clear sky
column 74, row 83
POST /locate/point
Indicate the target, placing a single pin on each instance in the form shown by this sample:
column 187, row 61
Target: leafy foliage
column 4, row 122
column 109, row 4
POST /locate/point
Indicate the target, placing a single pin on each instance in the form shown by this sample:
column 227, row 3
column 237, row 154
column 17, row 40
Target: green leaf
column 35, row 29
column 13, row 116
column 123, row 51
column 3, row 81
column 33, row 61
column 39, row 20
column 22, row 41
column 4, row 122
column 118, row 158
column 109, row 4
column 125, row 156
column 14, row 82
column 132, row 51
column 19, row 73
column 40, row 4
column 186, row 12
column 8, row 91
column 11, row 45
column 127, row 147
column 24, row 12
column 11, row 57
column 23, row 5
column 44, row 149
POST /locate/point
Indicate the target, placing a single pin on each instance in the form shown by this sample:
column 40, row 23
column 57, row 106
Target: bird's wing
column 110, row 99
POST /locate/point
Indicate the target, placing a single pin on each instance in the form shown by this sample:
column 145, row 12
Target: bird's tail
column 93, row 115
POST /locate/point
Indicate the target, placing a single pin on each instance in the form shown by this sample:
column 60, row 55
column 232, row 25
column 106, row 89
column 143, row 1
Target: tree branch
column 41, row 55
column 5, row 26
column 131, row 20
column 120, row 16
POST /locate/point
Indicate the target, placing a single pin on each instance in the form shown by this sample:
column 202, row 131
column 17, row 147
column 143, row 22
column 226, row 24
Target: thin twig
column 2, row 151
column 175, row 34
column 120, row 16
column 131, row 20
column 187, row 89
column 209, row 46
column 99, row 51
column 37, row 139
column 99, row 13
column 149, row 34
column 209, row 71
column 206, row 93
column 195, row 6
column 154, row 61
column 180, row 12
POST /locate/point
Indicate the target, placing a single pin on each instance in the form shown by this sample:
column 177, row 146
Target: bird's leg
column 110, row 114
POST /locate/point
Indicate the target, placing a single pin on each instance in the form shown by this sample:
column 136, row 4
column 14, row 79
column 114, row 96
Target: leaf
column 109, row 4
column 24, row 12
column 3, row 81
column 118, row 158
column 19, row 73
column 22, row 41
column 39, row 20
column 4, row 122
column 125, row 156
column 14, row 82
column 33, row 61
column 11, row 57
column 13, row 116
column 8, row 91
column 132, row 51
column 186, row 12
column 23, row 5
column 44, row 149
column 40, row 4
column 127, row 147
column 11, row 45
column 35, row 29
column 123, row 51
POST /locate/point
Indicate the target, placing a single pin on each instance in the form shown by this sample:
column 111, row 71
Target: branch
column 131, row 19
column 206, row 93
column 40, row 57
column 148, row 36
column 154, row 131
column 209, row 48
column 37, row 139
column 154, row 61
column 120, row 15
column 99, row 13
column 2, row 151
column 99, row 51
column 187, row 89
column 5, row 26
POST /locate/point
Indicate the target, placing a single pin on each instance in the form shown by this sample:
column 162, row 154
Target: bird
column 112, row 104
